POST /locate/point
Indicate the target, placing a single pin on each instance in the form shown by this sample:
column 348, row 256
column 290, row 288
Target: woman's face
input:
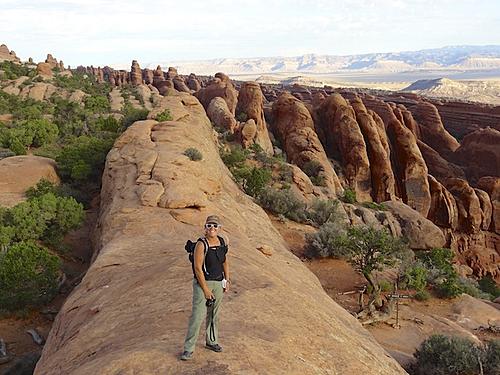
column 211, row 229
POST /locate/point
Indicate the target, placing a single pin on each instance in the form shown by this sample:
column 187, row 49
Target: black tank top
column 215, row 256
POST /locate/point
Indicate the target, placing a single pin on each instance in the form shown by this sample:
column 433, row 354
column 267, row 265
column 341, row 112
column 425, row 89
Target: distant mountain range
column 461, row 58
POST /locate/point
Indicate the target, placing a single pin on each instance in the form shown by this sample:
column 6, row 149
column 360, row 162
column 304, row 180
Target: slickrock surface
column 129, row 314
column 18, row 173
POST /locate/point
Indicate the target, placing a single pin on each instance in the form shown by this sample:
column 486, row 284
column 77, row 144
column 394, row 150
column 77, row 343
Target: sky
column 109, row 32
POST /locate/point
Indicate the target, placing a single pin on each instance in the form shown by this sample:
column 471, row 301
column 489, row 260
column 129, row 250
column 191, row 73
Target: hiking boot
column 186, row 356
column 215, row 347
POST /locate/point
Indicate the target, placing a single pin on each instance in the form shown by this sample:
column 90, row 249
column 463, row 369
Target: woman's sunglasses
column 209, row 226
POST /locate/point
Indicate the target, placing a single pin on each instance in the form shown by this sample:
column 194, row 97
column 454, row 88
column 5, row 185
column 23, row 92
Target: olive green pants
column 201, row 311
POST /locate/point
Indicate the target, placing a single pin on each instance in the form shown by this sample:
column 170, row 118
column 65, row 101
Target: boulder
column 19, row 173
column 220, row 86
column 44, row 69
column 248, row 133
column 180, row 85
column 251, row 103
column 6, row 55
column 193, row 83
column 420, row 232
column 220, row 115
column 293, row 126
column 129, row 314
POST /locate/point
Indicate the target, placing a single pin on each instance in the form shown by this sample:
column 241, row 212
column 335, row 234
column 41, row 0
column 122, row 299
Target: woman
column 211, row 271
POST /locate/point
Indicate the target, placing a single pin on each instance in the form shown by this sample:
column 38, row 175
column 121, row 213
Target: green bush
column 491, row 361
column 28, row 276
column 449, row 288
column 83, row 82
column 82, row 159
column 471, row 287
column 312, row 168
column 283, row 202
column 41, row 188
column 385, row 285
column 324, row 243
column 375, row 206
column 322, row 211
column 69, row 116
column 193, row 153
column 349, row 196
column 131, row 115
column 108, row 124
column 235, row 157
column 242, row 117
column 488, row 285
column 97, row 104
column 12, row 70
column 164, row 116
column 422, row 295
column 256, row 181
column 442, row 355
column 415, row 277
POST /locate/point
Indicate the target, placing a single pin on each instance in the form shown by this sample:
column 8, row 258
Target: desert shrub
column 97, row 104
column 164, row 116
column 69, row 116
column 68, row 215
column 82, row 159
column 312, row 168
column 43, row 131
column 471, row 287
column 43, row 186
column 235, row 157
column 488, row 285
column 83, row 82
column 28, row 275
column 50, row 150
column 322, row 211
column 108, row 124
column 442, row 355
column 285, row 172
column 256, row 181
column 193, row 154
column 375, row 206
column 283, row 202
column 324, row 243
column 440, row 272
column 131, row 115
column 12, row 70
column 349, row 196
column 241, row 117
column 256, row 148
column 17, row 147
column 385, row 285
column 491, row 361
column 415, row 277
column 422, row 295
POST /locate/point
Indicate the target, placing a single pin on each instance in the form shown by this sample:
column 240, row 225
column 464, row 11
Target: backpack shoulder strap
column 221, row 240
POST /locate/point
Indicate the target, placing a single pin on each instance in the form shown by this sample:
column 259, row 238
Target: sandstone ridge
column 130, row 312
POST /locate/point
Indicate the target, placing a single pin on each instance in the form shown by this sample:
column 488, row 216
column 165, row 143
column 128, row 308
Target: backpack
column 190, row 246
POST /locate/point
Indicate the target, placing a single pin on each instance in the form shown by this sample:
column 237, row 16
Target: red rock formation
column 469, row 207
column 220, row 115
column 437, row 165
column 345, row 142
column 408, row 164
column 180, row 85
column 491, row 185
column 432, row 129
column 44, row 69
column 406, row 118
column 148, row 76
column 220, row 86
column 51, row 61
column 486, row 208
column 193, row 83
column 135, row 73
column 479, row 154
column 293, row 126
column 248, row 133
column 171, row 73
column 6, row 55
column 443, row 211
column 382, row 177
column 250, row 102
